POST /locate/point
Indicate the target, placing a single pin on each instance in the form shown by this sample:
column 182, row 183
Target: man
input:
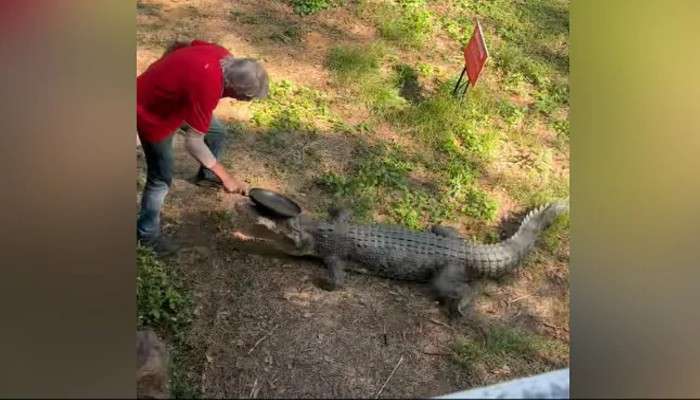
column 182, row 89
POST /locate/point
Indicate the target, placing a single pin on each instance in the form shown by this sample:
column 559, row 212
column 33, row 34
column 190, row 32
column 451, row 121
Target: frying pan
column 274, row 203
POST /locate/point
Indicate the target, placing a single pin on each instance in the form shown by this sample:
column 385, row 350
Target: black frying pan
column 274, row 203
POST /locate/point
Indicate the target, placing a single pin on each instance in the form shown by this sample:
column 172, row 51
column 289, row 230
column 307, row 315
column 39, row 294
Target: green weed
column 379, row 181
column 515, row 83
column 534, row 189
column 292, row 108
column 357, row 68
column 290, row 34
column 551, row 98
column 352, row 63
column 378, row 169
column 181, row 385
column 306, row 7
column 458, row 29
column 426, row 70
column 162, row 301
column 452, row 126
column 513, row 348
column 148, row 9
column 554, row 235
column 165, row 305
column 562, row 127
column 512, row 115
column 409, row 23
column 382, row 96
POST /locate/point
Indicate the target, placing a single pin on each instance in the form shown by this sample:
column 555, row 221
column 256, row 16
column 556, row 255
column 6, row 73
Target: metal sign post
column 475, row 55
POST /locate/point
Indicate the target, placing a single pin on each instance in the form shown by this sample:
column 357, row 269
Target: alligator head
column 259, row 232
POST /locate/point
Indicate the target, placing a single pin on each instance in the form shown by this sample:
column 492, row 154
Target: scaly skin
column 439, row 256
column 398, row 253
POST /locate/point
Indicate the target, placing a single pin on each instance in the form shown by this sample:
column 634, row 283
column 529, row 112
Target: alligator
column 439, row 255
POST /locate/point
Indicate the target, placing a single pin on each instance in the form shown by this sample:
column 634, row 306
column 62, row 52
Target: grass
column 162, row 302
column 291, row 107
column 292, row 120
column 462, row 137
column 147, row 9
column 379, row 182
column 307, row 7
column 408, row 23
column 553, row 237
column 356, row 68
column 289, row 34
column 376, row 170
column 165, row 305
column 353, row 63
column 512, row 351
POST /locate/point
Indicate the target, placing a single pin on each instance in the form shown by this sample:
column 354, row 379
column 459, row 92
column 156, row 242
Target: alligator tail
column 498, row 259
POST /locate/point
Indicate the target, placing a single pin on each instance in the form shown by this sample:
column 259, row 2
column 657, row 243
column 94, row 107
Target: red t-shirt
column 183, row 86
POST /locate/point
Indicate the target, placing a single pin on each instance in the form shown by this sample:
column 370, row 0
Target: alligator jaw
column 257, row 233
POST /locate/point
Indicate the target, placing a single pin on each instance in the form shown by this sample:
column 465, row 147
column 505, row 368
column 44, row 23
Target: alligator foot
column 459, row 308
column 454, row 311
column 445, row 231
column 336, row 273
column 340, row 215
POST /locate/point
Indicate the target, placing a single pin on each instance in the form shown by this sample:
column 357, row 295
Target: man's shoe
column 161, row 246
column 208, row 179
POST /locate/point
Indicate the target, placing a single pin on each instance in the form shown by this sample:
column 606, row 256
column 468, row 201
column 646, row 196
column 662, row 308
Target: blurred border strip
column 67, row 205
column 635, row 119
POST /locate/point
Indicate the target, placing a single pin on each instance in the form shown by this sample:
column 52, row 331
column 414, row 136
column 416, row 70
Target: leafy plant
column 562, row 127
column 450, row 125
column 306, row 7
column 511, row 114
column 350, row 63
column 513, row 348
column 162, row 301
column 409, row 23
column 292, row 108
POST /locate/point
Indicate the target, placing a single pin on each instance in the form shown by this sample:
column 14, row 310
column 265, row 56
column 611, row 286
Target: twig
column 518, row 299
column 389, row 378
column 435, row 354
column 262, row 338
column 439, row 323
column 556, row 328
column 386, row 342
column 253, row 393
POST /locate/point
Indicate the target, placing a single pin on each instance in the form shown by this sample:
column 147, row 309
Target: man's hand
column 231, row 184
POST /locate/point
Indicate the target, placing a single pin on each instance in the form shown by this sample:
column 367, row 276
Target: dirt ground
column 263, row 327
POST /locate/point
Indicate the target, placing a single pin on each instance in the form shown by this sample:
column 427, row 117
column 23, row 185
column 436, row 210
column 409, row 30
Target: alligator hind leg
column 336, row 272
column 451, row 288
column 445, row 231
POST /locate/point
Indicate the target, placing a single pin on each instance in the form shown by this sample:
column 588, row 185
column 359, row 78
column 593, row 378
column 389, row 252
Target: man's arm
column 195, row 145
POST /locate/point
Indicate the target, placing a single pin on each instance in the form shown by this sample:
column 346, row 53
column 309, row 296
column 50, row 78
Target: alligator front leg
column 445, row 231
column 340, row 215
column 451, row 288
column 336, row 272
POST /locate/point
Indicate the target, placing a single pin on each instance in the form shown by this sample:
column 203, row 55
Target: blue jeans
column 159, row 177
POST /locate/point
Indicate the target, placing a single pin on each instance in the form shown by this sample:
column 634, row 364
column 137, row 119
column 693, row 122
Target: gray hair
column 245, row 76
